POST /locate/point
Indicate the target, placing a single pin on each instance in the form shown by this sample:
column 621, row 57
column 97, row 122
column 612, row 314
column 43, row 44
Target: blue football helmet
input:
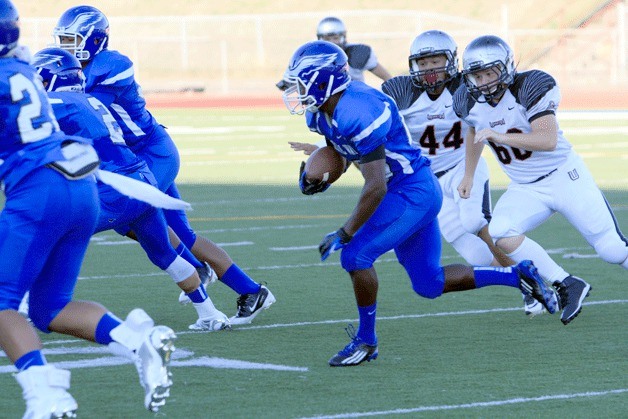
column 429, row 44
column 490, row 53
column 9, row 27
column 60, row 70
column 82, row 30
column 317, row 70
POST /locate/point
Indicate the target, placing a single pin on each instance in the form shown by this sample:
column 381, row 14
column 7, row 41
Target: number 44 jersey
column 432, row 122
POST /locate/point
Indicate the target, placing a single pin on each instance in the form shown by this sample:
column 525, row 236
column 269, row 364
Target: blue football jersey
column 85, row 116
column 29, row 133
column 111, row 79
column 363, row 120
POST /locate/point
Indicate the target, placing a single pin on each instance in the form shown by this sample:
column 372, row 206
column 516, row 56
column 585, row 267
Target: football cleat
column 531, row 283
column 45, row 392
column 208, row 276
column 250, row 305
column 532, row 307
column 212, row 324
column 152, row 361
column 572, row 291
column 356, row 352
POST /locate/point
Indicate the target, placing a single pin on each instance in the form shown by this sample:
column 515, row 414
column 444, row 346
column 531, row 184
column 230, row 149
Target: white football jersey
column 433, row 124
column 532, row 95
column 361, row 58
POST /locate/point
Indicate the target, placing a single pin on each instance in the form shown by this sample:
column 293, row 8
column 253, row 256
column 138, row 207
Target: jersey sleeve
column 361, row 57
column 110, row 75
column 402, row 91
column 538, row 94
column 366, row 123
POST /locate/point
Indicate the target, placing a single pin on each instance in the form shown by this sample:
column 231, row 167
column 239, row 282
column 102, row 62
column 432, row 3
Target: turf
column 471, row 354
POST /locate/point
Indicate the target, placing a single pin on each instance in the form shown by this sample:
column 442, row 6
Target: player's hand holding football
column 308, row 187
column 333, row 242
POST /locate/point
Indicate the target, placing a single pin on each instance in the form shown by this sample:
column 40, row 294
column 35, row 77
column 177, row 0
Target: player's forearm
column 473, row 152
column 533, row 141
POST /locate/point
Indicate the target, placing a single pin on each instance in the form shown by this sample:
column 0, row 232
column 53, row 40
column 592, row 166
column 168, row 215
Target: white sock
column 206, row 309
column 548, row 269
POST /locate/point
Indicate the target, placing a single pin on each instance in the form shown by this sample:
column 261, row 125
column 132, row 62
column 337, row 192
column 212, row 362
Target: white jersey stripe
column 126, row 118
column 385, row 116
column 120, row 76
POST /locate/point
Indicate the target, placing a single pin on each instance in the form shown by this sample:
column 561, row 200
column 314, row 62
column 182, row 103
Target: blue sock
column 30, row 359
column 495, row 276
column 198, row 295
column 185, row 253
column 107, row 323
column 366, row 329
column 240, row 282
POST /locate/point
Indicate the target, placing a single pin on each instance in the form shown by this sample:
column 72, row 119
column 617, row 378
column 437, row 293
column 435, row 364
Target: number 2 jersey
column 433, row 124
column 532, row 94
column 363, row 120
column 29, row 133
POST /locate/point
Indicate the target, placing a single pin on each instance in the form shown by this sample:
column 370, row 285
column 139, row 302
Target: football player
column 361, row 56
column 515, row 114
column 424, row 99
column 84, row 115
column 400, row 200
column 50, row 213
column 84, row 31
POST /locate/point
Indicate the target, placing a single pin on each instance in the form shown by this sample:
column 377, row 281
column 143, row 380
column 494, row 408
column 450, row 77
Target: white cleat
column 152, row 361
column 45, row 392
column 532, row 307
column 208, row 277
column 212, row 324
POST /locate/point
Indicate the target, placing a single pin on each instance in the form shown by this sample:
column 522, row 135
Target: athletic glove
column 307, row 187
column 333, row 242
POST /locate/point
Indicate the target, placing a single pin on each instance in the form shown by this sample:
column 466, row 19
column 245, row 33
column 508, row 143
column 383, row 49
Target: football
column 324, row 164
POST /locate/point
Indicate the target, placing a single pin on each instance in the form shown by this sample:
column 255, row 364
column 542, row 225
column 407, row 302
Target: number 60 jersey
column 533, row 94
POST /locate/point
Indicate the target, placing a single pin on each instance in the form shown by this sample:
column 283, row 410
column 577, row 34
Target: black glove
column 332, row 242
column 307, row 187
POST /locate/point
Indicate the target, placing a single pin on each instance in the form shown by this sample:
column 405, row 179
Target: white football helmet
column 331, row 26
column 428, row 44
column 484, row 53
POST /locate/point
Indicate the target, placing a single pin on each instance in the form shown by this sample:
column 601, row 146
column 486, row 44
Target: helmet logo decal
column 47, row 59
column 83, row 21
column 313, row 63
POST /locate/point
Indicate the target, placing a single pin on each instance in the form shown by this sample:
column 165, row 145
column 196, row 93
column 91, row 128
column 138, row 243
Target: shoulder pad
column 462, row 102
column 403, row 92
column 530, row 86
column 454, row 83
column 358, row 55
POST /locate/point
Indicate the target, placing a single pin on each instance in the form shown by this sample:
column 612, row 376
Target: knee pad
column 430, row 288
column 499, row 228
column 353, row 259
column 473, row 250
column 611, row 249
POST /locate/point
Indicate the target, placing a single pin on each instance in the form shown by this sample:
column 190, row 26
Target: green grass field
column 472, row 354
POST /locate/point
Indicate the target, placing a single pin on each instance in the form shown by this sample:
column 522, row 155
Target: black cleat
column 356, row 352
column 572, row 291
column 250, row 305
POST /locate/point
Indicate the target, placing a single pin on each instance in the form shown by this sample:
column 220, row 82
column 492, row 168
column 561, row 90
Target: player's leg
column 582, row 203
column 152, row 233
column 34, row 221
column 253, row 296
